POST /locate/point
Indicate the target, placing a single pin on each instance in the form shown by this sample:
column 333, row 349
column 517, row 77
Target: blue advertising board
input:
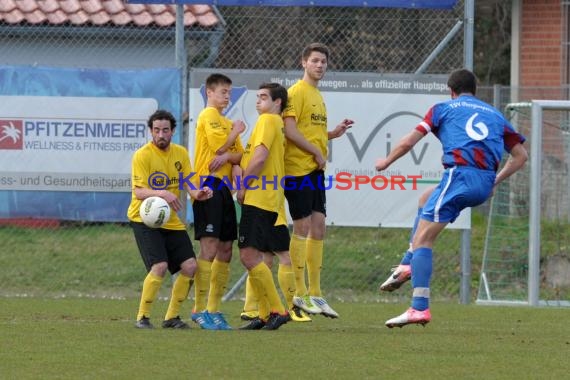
column 67, row 137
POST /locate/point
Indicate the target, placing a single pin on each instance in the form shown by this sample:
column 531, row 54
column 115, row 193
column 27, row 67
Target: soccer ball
column 154, row 212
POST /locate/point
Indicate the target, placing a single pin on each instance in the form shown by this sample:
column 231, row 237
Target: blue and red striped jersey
column 472, row 132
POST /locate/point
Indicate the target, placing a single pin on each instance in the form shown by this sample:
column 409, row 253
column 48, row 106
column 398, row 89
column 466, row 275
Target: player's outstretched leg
column 399, row 276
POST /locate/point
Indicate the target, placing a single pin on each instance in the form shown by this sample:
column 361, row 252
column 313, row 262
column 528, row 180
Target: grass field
column 69, row 296
column 102, row 260
column 95, row 339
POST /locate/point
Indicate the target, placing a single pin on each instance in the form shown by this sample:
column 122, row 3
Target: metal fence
column 376, row 40
column 46, row 257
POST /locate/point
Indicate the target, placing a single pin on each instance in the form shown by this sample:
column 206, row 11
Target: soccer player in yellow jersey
column 261, row 196
column 305, row 120
column 217, row 148
column 155, row 172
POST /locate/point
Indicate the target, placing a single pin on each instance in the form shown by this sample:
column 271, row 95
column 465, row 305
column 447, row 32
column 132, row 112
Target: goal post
column 539, row 195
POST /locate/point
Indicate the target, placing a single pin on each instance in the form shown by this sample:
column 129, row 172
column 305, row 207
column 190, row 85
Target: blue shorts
column 459, row 188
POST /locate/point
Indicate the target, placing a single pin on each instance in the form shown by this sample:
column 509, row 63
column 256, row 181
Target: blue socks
column 416, row 221
column 421, row 274
column 406, row 260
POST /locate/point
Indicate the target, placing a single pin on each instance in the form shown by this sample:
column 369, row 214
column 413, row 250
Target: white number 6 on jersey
column 481, row 132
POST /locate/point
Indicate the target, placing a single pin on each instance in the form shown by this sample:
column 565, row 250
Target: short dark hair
column 315, row 46
column 462, row 81
column 162, row 115
column 216, row 79
column 277, row 92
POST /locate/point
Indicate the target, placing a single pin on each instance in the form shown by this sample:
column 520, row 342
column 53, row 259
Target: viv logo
column 11, row 134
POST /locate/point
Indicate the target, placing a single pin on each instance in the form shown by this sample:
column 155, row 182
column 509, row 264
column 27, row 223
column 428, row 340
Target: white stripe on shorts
column 440, row 198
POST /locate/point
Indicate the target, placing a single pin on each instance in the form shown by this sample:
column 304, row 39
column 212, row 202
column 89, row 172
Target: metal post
column 465, row 289
column 180, row 57
column 535, row 191
column 239, row 283
column 180, row 60
column 425, row 64
column 468, row 33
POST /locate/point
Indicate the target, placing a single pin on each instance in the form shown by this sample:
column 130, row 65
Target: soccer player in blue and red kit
column 473, row 135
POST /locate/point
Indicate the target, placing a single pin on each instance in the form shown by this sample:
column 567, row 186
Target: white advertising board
column 70, row 143
column 384, row 108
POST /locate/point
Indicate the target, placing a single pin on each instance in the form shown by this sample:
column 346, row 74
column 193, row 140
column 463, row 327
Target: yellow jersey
column 265, row 191
column 212, row 130
column 147, row 162
column 281, row 216
column 305, row 103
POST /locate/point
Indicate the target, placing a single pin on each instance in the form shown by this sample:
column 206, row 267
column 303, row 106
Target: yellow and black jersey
column 153, row 168
column 212, row 130
column 266, row 191
column 305, row 103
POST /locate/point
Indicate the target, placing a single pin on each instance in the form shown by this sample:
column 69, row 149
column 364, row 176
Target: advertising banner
column 384, row 108
column 71, row 143
column 67, row 137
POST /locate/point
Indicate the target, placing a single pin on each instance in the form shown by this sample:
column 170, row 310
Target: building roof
column 101, row 13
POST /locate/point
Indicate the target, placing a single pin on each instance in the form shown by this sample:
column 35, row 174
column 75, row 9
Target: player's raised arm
column 404, row 146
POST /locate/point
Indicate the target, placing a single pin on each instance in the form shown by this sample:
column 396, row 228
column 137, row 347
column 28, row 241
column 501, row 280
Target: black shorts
column 158, row 244
column 306, row 194
column 216, row 217
column 256, row 228
column 280, row 239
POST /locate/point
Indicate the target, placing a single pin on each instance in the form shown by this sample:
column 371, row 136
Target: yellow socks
column 298, row 253
column 264, row 287
column 218, row 284
column 202, row 284
column 151, row 285
column 179, row 294
column 286, row 279
column 250, row 303
column 314, row 265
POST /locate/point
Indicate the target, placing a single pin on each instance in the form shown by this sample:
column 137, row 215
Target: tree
column 492, row 50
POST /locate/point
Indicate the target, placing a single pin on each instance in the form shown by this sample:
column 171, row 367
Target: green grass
column 95, row 339
column 102, row 260
column 69, row 297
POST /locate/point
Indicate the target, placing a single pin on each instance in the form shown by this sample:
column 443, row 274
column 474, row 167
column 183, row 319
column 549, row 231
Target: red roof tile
column 27, row 6
column 7, row 6
column 35, row 17
column 121, row 18
column 48, row 6
column 79, row 18
column 101, row 12
column 113, row 7
column 69, row 6
column 57, row 18
column 91, row 6
column 16, row 15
